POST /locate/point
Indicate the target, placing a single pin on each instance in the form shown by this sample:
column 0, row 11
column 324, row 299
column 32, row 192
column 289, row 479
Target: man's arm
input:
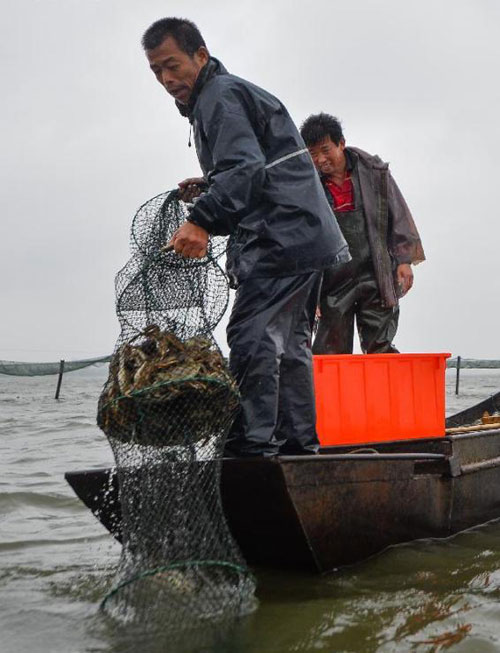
column 235, row 182
column 238, row 174
column 404, row 241
column 190, row 240
column 403, row 238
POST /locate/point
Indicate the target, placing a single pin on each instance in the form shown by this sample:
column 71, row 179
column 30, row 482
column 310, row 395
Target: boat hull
column 318, row 513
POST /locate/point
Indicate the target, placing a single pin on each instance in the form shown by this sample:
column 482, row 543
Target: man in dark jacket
column 264, row 192
column 382, row 238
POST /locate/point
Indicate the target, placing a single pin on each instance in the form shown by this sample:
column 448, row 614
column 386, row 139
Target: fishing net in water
column 165, row 409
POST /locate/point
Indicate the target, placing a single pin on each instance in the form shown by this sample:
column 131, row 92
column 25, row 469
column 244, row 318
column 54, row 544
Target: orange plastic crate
column 375, row 397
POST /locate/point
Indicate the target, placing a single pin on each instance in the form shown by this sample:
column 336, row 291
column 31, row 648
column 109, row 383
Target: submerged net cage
column 166, row 409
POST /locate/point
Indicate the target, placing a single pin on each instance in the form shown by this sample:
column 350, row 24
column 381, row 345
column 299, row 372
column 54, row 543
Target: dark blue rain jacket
column 263, row 189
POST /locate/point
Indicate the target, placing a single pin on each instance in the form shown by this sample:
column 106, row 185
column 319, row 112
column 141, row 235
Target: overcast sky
column 88, row 135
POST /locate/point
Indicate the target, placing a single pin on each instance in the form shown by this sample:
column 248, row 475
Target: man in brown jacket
column 382, row 237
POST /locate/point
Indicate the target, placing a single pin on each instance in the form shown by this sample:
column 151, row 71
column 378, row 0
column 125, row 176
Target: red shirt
column 343, row 196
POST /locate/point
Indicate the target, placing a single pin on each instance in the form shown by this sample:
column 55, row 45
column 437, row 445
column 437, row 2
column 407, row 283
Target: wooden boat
column 320, row 512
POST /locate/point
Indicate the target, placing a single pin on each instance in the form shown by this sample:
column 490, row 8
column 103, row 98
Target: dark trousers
column 356, row 297
column 269, row 335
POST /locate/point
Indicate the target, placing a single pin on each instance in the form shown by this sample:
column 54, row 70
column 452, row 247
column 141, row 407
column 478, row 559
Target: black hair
column 185, row 33
column 317, row 127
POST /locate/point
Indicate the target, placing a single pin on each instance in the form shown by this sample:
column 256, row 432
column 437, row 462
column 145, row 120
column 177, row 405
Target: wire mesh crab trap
column 166, row 408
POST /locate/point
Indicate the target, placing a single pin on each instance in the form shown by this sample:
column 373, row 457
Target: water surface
column 57, row 562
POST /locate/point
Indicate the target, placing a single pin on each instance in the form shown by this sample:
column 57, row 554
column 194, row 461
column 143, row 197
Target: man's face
column 176, row 70
column 328, row 157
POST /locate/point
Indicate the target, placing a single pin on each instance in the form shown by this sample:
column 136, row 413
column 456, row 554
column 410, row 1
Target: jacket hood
column 210, row 69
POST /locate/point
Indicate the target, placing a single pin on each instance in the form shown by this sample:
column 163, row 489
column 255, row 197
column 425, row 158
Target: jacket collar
column 370, row 160
column 351, row 159
column 210, row 69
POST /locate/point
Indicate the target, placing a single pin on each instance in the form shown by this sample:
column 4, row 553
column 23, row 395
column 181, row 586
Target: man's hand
column 190, row 240
column 191, row 188
column 404, row 278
